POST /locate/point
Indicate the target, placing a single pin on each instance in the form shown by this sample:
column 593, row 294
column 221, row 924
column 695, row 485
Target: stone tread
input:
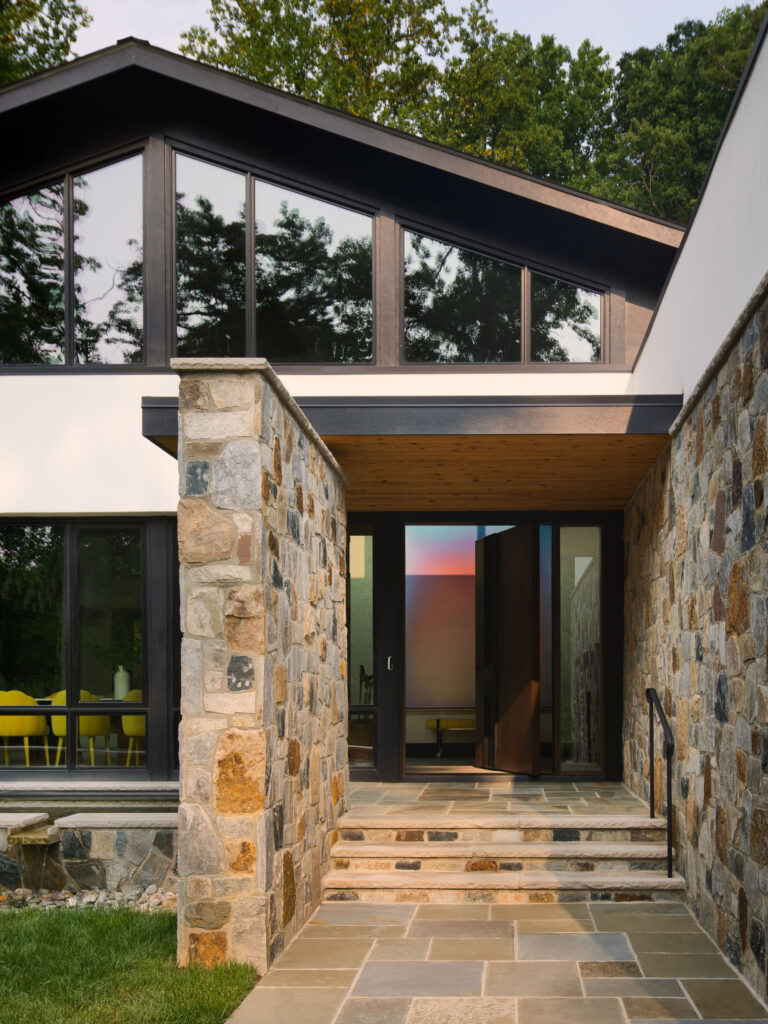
column 355, row 850
column 587, row 881
column 505, row 820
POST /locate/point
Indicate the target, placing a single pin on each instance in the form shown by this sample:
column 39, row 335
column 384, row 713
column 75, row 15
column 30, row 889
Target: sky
column 616, row 25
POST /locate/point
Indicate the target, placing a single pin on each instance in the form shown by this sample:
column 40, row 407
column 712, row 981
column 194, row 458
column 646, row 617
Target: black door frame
column 388, row 531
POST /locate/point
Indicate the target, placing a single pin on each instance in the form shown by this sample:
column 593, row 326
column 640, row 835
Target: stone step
column 499, row 887
column 489, row 856
column 506, row 828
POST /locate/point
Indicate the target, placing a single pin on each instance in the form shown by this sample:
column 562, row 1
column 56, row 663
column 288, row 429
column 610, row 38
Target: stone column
column 262, row 743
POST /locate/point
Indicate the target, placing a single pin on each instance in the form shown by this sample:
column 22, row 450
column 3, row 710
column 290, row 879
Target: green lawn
column 103, row 966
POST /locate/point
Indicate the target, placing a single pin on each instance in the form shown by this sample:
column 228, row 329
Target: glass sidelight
column 581, row 710
column 361, row 677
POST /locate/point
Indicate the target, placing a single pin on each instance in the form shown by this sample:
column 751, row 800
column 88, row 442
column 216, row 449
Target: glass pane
column 210, row 259
column 31, row 740
column 109, row 264
column 113, row 741
column 314, row 279
column 32, row 277
column 580, row 649
column 109, row 613
column 361, row 690
column 32, row 622
column 565, row 322
column 459, row 307
column 360, row 740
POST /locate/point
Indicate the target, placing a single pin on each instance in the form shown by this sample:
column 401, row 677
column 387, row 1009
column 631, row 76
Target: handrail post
column 651, row 759
column 669, row 813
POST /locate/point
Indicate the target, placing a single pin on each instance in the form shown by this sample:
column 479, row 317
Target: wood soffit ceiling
column 494, row 473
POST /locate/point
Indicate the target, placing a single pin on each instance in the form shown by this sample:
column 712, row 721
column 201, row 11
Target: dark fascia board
column 335, row 417
column 136, row 53
column 761, row 35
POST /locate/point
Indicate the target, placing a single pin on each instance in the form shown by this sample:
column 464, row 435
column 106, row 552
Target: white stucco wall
column 376, row 384
column 73, row 445
column 723, row 258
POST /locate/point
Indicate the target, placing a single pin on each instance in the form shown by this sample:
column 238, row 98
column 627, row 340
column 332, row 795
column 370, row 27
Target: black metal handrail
column 669, row 750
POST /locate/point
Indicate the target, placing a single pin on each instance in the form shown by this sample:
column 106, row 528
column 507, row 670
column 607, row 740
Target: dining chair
column 22, row 725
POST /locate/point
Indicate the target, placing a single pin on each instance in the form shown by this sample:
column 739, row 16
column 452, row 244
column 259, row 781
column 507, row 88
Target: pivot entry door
column 507, row 675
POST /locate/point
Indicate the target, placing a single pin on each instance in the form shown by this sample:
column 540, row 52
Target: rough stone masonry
column 696, row 572
column 262, row 742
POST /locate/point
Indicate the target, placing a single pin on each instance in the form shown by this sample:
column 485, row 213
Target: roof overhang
column 137, row 61
column 494, row 453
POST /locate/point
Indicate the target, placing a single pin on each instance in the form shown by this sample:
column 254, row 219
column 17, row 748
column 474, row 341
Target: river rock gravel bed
column 149, row 899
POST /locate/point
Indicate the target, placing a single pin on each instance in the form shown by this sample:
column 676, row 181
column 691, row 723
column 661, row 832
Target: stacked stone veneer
column 262, row 742
column 695, row 609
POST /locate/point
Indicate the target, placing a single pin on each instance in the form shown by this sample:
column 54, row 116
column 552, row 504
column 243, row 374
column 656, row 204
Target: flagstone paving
column 642, row 963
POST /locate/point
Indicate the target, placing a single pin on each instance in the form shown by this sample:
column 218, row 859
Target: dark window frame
column 160, row 653
column 158, row 152
column 65, row 177
column 527, row 268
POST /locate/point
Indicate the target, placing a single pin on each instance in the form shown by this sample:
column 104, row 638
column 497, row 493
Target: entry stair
column 500, row 858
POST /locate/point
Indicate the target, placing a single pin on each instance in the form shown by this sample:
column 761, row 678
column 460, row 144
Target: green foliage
column 670, row 106
column 95, row 966
column 641, row 135
column 37, row 34
column 378, row 59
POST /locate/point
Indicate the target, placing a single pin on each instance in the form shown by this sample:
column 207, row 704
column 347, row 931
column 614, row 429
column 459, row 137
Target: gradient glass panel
column 459, row 307
column 314, row 279
column 360, row 740
column 32, row 620
column 580, row 649
column 109, row 264
column 109, row 614
column 361, row 681
column 565, row 322
column 210, row 259
column 440, row 616
column 32, row 277
column 31, row 740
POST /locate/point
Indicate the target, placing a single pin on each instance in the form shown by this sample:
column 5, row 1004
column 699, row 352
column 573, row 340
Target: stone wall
column 262, row 542
column 695, row 613
column 114, row 852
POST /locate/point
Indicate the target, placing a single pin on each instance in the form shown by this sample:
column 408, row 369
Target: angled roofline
column 138, row 53
column 740, row 90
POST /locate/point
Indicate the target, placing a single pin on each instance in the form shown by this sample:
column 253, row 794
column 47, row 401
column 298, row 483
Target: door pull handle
column 391, row 663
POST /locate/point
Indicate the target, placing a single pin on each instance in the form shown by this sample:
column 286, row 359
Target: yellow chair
column 134, row 726
column 88, row 725
column 22, row 725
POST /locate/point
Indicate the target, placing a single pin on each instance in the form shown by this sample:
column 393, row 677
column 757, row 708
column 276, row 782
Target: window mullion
column 525, row 315
column 69, row 270
column 250, row 267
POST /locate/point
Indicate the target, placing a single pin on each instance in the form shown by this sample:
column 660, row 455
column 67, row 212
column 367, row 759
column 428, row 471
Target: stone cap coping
column 258, row 364
column 15, row 822
column 119, row 819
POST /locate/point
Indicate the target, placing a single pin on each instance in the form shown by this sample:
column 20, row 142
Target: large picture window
column 311, row 276
column 91, row 691
column 72, row 269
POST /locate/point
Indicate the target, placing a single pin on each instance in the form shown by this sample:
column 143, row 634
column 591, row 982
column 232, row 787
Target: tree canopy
column 641, row 133
column 37, row 34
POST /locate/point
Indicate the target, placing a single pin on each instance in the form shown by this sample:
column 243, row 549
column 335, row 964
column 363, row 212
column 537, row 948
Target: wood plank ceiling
column 494, row 472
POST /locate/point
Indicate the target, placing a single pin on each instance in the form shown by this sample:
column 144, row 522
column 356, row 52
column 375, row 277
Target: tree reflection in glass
column 459, row 307
column 565, row 322
column 32, row 277
column 32, row 623
column 314, row 279
column 210, row 259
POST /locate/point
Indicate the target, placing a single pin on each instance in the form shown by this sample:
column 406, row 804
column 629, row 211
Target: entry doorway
column 485, row 643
